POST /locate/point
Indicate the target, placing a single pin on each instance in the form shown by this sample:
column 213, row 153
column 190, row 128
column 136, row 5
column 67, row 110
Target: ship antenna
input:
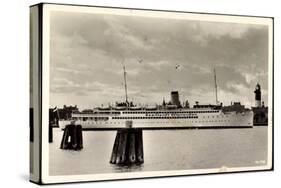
column 216, row 87
column 125, row 80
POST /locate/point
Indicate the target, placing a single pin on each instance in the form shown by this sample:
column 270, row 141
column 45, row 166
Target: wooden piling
column 64, row 141
column 139, row 146
column 115, row 149
column 72, row 137
column 79, row 136
column 132, row 147
column 122, row 146
column 127, row 148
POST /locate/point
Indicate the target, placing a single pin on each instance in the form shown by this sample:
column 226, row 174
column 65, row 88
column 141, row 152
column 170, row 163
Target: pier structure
column 72, row 137
column 128, row 146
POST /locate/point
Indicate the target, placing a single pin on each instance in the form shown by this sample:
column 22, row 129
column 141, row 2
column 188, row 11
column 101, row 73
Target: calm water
column 164, row 150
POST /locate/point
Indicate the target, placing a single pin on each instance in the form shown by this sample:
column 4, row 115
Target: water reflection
column 126, row 167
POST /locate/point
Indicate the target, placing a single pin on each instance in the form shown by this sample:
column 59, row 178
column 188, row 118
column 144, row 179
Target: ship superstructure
column 201, row 116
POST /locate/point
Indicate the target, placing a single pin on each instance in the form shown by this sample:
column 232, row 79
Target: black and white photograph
column 141, row 93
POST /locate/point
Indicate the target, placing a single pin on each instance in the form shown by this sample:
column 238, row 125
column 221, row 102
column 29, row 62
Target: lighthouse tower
column 258, row 95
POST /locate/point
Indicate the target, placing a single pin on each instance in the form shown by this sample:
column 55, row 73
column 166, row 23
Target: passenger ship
column 170, row 115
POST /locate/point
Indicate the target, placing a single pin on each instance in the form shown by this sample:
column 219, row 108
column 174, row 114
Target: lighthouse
column 258, row 95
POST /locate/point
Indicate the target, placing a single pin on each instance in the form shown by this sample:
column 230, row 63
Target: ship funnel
column 175, row 98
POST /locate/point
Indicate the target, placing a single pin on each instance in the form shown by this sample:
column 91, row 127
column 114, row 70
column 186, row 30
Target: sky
column 88, row 51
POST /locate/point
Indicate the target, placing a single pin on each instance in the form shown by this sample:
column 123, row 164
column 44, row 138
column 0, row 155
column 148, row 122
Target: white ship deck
column 162, row 119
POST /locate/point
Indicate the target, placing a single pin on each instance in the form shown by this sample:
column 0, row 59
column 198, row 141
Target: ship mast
column 216, row 87
column 125, row 80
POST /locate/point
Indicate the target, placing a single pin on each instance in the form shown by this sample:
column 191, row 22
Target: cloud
column 89, row 50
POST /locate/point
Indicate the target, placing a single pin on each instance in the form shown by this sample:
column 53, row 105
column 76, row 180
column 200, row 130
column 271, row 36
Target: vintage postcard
column 130, row 93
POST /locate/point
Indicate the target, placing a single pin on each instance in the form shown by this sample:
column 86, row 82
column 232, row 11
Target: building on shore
column 61, row 113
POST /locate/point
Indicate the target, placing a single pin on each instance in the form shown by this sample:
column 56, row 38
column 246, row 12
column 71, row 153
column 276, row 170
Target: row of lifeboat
column 136, row 107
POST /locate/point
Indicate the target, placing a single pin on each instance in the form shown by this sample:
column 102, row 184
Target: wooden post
column 139, row 146
column 64, row 141
column 79, row 137
column 72, row 137
column 128, row 147
column 115, row 148
column 122, row 146
column 132, row 147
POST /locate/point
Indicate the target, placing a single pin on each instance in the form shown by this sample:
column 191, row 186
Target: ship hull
column 229, row 120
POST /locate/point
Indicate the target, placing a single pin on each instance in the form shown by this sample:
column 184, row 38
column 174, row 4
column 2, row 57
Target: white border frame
column 47, row 8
